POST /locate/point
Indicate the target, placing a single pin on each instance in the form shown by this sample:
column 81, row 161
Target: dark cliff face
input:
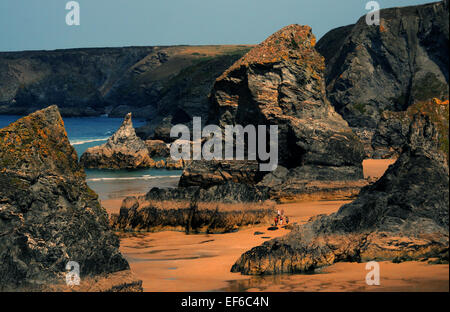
column 392, row 132
column 48, row 214
column 371, row 69
column 151, row 82
column 123, row 150
column 403, row 216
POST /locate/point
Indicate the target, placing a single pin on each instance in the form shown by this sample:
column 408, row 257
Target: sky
column 41, row 24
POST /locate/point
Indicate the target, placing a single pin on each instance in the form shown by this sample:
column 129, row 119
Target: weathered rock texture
column 157, row 148
column 48, row 214
column 218, row 209
column 374, row 69
column 124, row 150
column 392, row 132
column 280, row 82
column 208, row 173
column 404, row 215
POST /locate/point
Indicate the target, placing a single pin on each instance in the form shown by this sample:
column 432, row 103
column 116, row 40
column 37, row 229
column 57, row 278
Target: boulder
column 392, row 132
column 48, row 214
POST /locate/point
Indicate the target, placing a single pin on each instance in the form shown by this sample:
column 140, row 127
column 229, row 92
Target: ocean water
column 85, row 132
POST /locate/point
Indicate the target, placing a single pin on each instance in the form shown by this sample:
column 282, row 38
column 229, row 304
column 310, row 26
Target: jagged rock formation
column 150, row 82
column 218, row 209
column 404, row 215
column 374, row 69
column 124, row 150
column 281, row 82
column 48, row 214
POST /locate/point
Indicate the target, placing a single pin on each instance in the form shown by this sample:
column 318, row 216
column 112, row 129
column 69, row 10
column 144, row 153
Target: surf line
column 193, row 302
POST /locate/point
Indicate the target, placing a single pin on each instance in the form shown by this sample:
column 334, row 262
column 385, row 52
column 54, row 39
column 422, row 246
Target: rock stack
column 281, row 82
column 48, row 214
column 124, row 150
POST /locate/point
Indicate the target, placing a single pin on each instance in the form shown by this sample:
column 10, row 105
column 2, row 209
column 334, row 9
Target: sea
column 85, row 132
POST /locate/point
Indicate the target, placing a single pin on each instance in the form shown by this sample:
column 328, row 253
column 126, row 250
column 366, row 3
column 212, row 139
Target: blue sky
column 40, row 24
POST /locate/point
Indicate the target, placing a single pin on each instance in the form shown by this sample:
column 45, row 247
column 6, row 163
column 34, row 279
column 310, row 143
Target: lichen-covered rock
column 281, row 81
column 392, row 132
column 48, row 214
column 404, row 215
column 124, row 150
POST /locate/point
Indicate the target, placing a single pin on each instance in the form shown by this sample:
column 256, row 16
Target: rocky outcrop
column 392, row 132
column 403, row 216
column 229, row 193
column 280, row 82
column 387, row 67
column 218, row 209
column 48, row 214
column 157, row 148
column 124, row 150
column 208, row 173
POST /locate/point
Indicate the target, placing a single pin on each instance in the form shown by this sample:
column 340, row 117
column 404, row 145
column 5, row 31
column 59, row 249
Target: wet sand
column 351, row 277
column 174, row 261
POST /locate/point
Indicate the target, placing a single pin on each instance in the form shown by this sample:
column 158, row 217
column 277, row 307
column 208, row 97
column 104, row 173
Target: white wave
column 79, row 142
column 145, row 177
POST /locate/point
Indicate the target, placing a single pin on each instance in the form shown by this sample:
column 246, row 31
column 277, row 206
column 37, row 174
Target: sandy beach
column 174, row 261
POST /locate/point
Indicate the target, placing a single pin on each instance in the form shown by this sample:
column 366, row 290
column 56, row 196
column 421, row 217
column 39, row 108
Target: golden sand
column 174, row 261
